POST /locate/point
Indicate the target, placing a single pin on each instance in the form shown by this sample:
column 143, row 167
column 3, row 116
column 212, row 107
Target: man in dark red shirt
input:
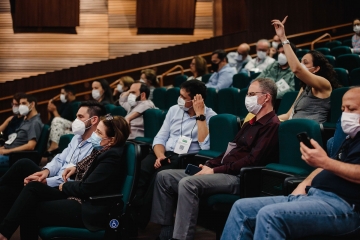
column 256, row 144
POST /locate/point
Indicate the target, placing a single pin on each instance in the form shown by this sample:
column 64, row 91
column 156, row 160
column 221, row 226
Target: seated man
column 274, row 46
column 325, row 203
column 239, row 58
column 223, row 73
column 280, row 72
column 185, row 130
column 262, row 60
column 27, row 135
column 135, row 101
column 256, row 144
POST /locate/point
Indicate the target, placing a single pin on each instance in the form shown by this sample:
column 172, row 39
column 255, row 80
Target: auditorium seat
column 337, row 51
column 348, row 61
column 331, row 59
column 324, row 50
column 159, row 97
column 171, row 97
column 333, row 44
column 241, row 80
column 355, row 77
column 343, row 76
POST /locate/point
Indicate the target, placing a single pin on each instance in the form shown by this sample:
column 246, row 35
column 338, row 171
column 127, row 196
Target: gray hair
column 263, row 40
column 268, row 85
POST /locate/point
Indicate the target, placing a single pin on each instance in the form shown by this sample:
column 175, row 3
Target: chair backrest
column 223, row 129
column 254, row 75
column 179, row 79
column 211, row 100
column 75, row 107
column 347, row 42
column 287, row 101
column 324, row 50
column 333, row 44
column 241, row 108
column 171, row 97
column 337, row 51
column 64, row 141
column 297, row 83
column 336, row 102
column 109, row 107
column 153, row 120
column 300, row 52
column 331, row 59
column 355, row 77
column 228, row 98
column 348, row 61
column 343, row 76
column 289, row 144
column 205, row 78
column 159, row 97
column 118, row 111
column 241, row 80
column 41, row 144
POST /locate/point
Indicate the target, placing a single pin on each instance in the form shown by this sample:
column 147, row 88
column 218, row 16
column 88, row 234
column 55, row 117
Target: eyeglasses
column 251, row 94
column 14, row 105
column 109, row 117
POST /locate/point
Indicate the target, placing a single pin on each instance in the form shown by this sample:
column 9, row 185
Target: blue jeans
column 318, row 213
column 4, row 161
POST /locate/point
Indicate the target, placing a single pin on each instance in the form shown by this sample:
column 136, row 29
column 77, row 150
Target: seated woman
column 198, row 68
column 13, row 122
column 148, row 76
column 100, row 173
column 101, row 92
column 62, row 118
column 355, row 40
column 318, row 79
column 124, row 84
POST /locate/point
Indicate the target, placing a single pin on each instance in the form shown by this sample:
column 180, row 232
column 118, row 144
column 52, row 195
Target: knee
column 187, row 185
column 267, row 213
column 32, row 186
column 23, row 162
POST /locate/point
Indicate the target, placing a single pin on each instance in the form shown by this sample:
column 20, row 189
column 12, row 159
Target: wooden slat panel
column 125, row 7
column 93, row 6
column 204, row 9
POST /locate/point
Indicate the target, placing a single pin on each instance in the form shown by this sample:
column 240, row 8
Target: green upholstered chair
column 75, row 107
column 241, row 80
column 331, row 59
column 347, row 42
column 300, row 52
column 64, row 141
column 211, row 100
column 130, row 155
column 287, row 101
column 355, row 77
column 254, row 75
column 205, row 78
column 343, row 76
column 240, row 105
column 109, row 107
column 335, row 111
column 324, row 50
column 348, row 61
column 159, row 97
column 171, row 97
column 153, row 120
column 118, row 111
column 333, row 44
column 337, row 51
column 179, row 79
column 228, row 98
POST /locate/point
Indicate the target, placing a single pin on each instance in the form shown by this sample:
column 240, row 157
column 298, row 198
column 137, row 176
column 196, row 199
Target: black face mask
column 215, row 66
column 138, row 98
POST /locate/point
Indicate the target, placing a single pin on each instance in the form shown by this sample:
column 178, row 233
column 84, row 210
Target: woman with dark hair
column 101, row 91
column 318, row 79
column 100, row 173
column 198, row 67
column 355, row 40
column 148, row 76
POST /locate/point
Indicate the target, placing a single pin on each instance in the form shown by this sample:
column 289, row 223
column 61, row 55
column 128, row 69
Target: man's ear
column 143, row 96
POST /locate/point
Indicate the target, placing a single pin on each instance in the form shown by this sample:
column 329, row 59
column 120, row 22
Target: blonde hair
column 127, row 81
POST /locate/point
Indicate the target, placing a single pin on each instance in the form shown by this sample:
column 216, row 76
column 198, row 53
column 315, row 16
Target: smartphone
column 304, row 138
column 192, row 169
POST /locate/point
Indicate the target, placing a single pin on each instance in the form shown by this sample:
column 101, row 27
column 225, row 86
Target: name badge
column 11, row 138
column 183, row 144
column 282, row 85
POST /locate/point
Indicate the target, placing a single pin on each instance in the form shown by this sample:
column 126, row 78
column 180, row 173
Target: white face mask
column 239, row 58
column 132, row 99
column 252, row 105
column 63, row 98
column 142, row 80
column 275, row 44
column 119, row 88
column 181, row 104
column 15, row 110
column 78, row 126
column 357, row 29
column 95, row 94
column 24, row 110
column 350, row 123
column 305, row 67
column 282, row 60
column 261, row 55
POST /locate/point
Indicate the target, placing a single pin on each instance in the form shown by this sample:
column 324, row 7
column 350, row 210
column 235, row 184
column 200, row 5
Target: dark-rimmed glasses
column 251, row 94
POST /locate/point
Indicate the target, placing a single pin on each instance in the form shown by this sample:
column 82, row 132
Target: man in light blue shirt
column 187, row 121
column 223, row 73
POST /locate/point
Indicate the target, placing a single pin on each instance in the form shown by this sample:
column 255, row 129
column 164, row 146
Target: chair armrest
column 32, row 155
column 250, row 181
column 185, row 159
column 106, row 198
column 290, row 183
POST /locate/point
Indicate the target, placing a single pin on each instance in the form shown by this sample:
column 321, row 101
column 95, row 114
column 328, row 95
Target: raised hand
column 198, row 104
column 279, row 28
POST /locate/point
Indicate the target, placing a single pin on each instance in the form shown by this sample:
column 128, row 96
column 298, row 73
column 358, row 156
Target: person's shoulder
column 209, row 112
column 269, row 60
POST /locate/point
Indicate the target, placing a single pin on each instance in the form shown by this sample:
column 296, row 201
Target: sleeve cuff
column 205, row 145
column 220, row 169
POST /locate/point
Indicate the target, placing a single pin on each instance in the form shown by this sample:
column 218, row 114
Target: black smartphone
column 304, row 138
column 165, row 160
column 192, row 169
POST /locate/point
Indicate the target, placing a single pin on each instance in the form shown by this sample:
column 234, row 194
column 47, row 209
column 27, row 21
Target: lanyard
column 182, row 123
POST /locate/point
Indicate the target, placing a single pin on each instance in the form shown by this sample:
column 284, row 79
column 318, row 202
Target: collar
column 264, row 119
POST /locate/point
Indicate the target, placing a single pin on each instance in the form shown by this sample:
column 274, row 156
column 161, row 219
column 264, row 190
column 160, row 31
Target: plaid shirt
column 356, row 44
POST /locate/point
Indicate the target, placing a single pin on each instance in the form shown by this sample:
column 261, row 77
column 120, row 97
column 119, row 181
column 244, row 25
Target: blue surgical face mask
column 96, row 140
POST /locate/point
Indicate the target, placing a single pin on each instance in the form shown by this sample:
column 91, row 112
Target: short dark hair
column 293, row 46
column 144, row 88
column 30, row 98
column 221, row 54
column 194, row 87
column 94, row 108
column 107, row 90
column 69, row 88
column 118, row 128
column 18, row 96
column 268, row 85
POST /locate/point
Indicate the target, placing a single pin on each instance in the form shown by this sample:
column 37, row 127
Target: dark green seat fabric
column 223, row 198
column 241, row 108
column 130, row 155
column 300, row 52
column 118, row 111
column 335, row 104
column 171, row 97
column 205, row 78
column 75, row 107
column 343, row 76
column 254, row 75
column 324, row 50
column 228, row 98
column 287, row 169
column 179, row 79
column 153, row 120
column 159, row 97
column 331, row 59
column 64, row 141
column 241, row 80
column 347, row 42
column 348, row 61
column 287, row 101
column 211, row 100
column 109, row 107
column 333, row 44
column 337, row 51
column 355, row 77
column 209, row 153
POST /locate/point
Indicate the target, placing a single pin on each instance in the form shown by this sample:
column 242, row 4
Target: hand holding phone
column 192, row 169
column 304, row 138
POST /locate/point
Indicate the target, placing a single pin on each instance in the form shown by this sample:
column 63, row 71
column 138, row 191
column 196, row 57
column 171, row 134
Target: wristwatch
column 285, row 42
column 201, row 117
